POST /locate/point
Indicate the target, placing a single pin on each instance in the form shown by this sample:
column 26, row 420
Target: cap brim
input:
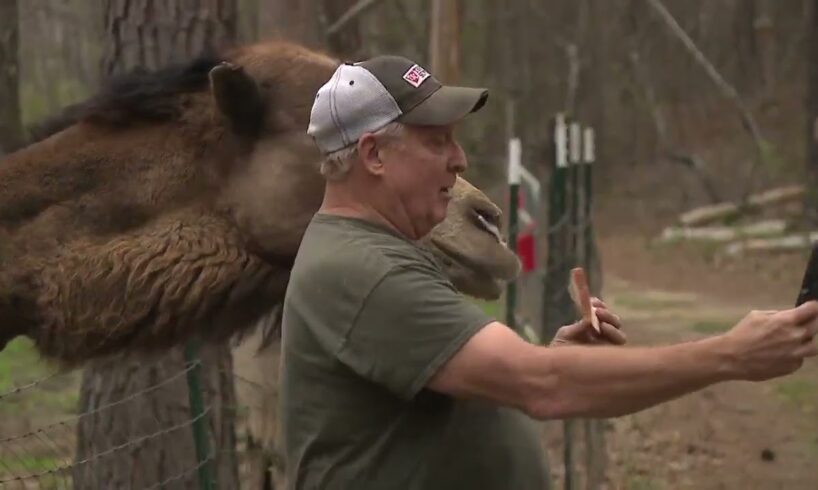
column 446, row 105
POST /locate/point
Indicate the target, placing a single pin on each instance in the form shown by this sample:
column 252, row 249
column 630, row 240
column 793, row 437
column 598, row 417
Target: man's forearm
column 574, row 381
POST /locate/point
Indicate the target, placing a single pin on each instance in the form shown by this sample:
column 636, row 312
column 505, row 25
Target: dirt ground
column 737, row 435
column 733, row 435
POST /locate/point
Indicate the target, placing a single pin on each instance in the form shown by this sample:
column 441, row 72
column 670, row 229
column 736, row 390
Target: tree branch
column 692, row 162
column 726, row 89
column 349, row 15
column 572, row 82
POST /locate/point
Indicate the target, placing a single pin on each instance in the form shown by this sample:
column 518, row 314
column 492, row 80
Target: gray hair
column 336, row 165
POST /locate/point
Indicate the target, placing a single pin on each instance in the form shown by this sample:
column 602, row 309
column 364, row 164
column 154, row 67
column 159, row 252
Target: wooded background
column 613, row 63
column 693, row 102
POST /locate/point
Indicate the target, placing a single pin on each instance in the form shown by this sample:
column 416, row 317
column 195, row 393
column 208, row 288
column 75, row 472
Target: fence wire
column 42, row 445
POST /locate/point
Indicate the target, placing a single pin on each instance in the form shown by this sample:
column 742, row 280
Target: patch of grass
column 710, row 327
column 812, row 442
column 36, row 106
column 493, row 309
column 650, row 302
column 800, row 392
column 636, row 480
column 496, row 309
column 20, row 365
column 24, row 465
column 710, row 250
column 642, row 483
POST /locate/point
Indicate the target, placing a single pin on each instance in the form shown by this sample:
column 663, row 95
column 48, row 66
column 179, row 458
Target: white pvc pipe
column 515, row 161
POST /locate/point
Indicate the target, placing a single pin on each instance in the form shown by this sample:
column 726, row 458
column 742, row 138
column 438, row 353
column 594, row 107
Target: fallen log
column 764, row 228
column 801, row 241
column 715, row 212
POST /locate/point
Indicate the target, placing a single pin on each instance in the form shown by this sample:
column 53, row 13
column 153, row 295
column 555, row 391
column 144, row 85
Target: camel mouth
column 451, row 256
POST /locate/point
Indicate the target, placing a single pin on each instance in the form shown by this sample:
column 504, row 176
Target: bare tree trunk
column 765, row 40
column 347, row 42
column 150, row 33
column 293, row 20
column 744, row 40
column 811, row 196
column 11, row 131
column 308, row 22
column 248, row 24
column 146, row 437
column 444, row 42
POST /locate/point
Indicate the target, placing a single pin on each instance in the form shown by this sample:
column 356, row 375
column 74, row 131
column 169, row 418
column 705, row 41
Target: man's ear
column 369, row 154
column 238, row 99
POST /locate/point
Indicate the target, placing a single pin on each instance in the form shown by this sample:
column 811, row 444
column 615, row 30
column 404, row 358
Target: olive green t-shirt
column 368, row 318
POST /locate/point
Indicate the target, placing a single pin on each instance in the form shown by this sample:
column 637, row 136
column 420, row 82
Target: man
column 391, row 379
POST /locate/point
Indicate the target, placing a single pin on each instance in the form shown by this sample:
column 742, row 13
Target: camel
column 171, row 204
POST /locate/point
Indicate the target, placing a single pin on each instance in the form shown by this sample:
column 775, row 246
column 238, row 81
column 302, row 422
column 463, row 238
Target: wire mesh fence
column 52, row 436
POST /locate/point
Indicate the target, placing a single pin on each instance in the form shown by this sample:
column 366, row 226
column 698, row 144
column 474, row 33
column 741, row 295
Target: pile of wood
column 709, row 224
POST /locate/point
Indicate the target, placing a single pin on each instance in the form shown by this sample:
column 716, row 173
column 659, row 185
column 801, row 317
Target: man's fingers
column 607, row 316
column 809, row 349
column 801, row 314
column 570, row 332
column 612, row 334
column 811, row 328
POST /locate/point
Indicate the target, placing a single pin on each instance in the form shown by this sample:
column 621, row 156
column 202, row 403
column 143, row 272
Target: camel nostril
column 488, row 221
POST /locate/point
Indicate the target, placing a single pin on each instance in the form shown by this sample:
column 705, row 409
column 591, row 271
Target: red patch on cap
column 415, row 76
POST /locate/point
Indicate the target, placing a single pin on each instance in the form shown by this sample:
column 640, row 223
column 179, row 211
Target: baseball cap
column 366, row 96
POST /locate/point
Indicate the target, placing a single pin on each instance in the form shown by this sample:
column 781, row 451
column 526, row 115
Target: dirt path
column 729, row 436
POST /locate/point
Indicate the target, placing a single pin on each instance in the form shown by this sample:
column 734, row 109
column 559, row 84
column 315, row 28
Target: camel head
column 469, row 245
column 252, row 88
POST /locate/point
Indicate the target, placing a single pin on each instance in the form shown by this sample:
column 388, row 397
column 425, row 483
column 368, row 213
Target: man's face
column 420, row 169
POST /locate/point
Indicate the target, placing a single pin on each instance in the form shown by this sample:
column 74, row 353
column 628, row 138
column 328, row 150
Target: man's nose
column 458, row 162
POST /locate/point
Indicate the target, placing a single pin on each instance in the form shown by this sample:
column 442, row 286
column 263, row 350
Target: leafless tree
column 11, row 132
column 811, row 133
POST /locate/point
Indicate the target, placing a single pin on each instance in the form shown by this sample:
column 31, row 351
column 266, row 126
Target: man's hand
column 767, row 344
column 582, row 333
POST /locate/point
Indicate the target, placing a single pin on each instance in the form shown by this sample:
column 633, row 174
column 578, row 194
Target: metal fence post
column 569, row 245
column 197, row 412
column 557, row 220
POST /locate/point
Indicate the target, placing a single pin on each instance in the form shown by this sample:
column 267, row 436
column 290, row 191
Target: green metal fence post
column 555, row 267
column 573, row 258
column 197, row 412
column 557, row 309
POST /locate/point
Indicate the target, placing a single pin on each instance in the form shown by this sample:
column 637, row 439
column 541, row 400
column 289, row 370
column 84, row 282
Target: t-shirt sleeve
column 410, row 324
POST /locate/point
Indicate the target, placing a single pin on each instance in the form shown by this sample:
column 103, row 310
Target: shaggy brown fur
column 172, row 204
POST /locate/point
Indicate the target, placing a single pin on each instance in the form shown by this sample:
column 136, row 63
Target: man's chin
column 437, row 218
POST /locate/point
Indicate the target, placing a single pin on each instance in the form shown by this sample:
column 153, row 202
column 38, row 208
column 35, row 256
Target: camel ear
column 238, row 99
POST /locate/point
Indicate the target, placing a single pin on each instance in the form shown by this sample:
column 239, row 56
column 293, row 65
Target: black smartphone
column 809, row 285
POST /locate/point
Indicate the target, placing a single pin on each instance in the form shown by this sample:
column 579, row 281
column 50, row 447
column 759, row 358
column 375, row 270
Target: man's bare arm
column 600, row 381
